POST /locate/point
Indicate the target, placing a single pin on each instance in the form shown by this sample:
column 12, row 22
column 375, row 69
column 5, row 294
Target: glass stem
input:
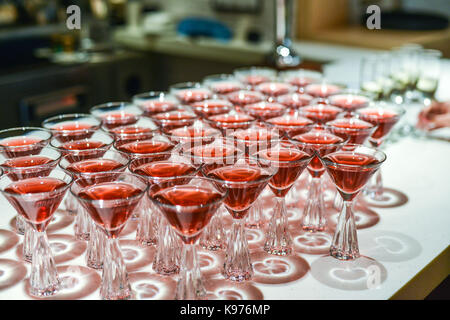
column 44, row 280
column 190, row 284
column 82, row 224
column 20, row 224
column 254, row 217
column 345, row 241
column 237, row 266
column 28, row 243
column 337, row 203
column 167, row 256
column 71, row 204
column 213, row 236
column 96, row 247
column 278, row 237
column 313, row 215
column 147, row 229
column 115, row 284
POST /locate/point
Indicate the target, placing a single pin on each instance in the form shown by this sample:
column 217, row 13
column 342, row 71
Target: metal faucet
column 283, row 56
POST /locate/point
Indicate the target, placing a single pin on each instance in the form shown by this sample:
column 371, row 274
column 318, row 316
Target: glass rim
column 368, row 166
column 223, row 193
column 320, row 145
column 306, row 159
column 70, row 116
column 59, row 189
column 48, row 164
column 101, row 132
column 175, row 148
column 110, row 174
column 332, row 126
column 44, row 141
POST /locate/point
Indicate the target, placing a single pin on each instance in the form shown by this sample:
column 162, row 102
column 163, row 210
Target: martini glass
column 290, row 124
column 222, row 84
column 229, row 122
column 301, row 77
column 290, row 162
column 323, row 89
column 174, row 119
column 20, row 168
column 93, row 146
column 275, row 88
column 143, row 129
column 253, row 76
column 211, row 107
column 320, row 113
column 164, row 173
column 189, row 92
column 197, row 134
column 220, row 151
column 295, row 100
column 356, row 131
column 20, row 142
column 159, row 146
column 350, row 100
column 116, row 114
column 318, row 141
column 242, row 97
column 188, row 207
column 350, row 168
column 384, row 116
column 36, row 200
column 154, row 102
column 265, row 110
column 110, row 199
column 244, row 180
column 252, row 140
column 67, row 127
column 110, row 161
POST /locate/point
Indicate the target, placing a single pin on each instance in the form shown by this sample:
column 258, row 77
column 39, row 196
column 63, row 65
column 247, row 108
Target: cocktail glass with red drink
column 253, row 76
column 116, row 114
column 72, row 126
column 350, row 100
column 295, row 100
column 36, row 200
column 301, row 77
column 154, row 102
column 211, row 107
column 110, row 199
column 384, row 116
column 190, row 92
column 188, row 206
column 320, row 113
column 222, row 84
column 350, row 168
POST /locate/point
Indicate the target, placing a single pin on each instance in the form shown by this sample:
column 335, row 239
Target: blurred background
column 128, row 47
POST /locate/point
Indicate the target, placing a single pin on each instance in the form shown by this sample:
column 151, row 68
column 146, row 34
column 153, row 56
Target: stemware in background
column 19, row 142
column 384, row 116
column 154, row 102
column 72, row 126
column 189, row 92
column 93, row 146
column 219, row 151
column 301, row 77
column 164, row 173
column 350, row 100
column 188, row 207
column 110, row 199
column 110, row 161
column 429, row 74
column 116, row 114
column 244, row 180
column 36, row 200
column 253, row 76
column 222, row 84
column 374, row 76
column 24, row 167
column 290, row 162
column 318, row 141
column 242, row 97
column 350, row 168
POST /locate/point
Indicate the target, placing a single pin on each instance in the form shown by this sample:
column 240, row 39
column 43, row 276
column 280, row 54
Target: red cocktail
column 265, row 110
column 274, row 89
column 242, row 97
column 157, row 147
column 74, row 126
column 154, row 102
column 349, row 100
column 24, row 141
column 355, row 130
column 291, row 124
column 116, row 114
column 322, row 90
column 320, row 113
column 174, row 119
column 211, row 107
column 189, row 92
column 254, row 75
column 231, row 121
column 294, row 100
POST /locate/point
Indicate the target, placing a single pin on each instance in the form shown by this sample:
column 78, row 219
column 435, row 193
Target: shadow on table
column 389, row 246
column 363, row 273
column 392, row 198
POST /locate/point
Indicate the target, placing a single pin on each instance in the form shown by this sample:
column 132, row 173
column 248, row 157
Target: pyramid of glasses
column 203, row 167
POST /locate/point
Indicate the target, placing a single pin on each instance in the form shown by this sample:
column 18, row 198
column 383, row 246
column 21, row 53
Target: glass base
column 338, row 254
column 283, row 251
column 237, row 276
column 49, row 291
